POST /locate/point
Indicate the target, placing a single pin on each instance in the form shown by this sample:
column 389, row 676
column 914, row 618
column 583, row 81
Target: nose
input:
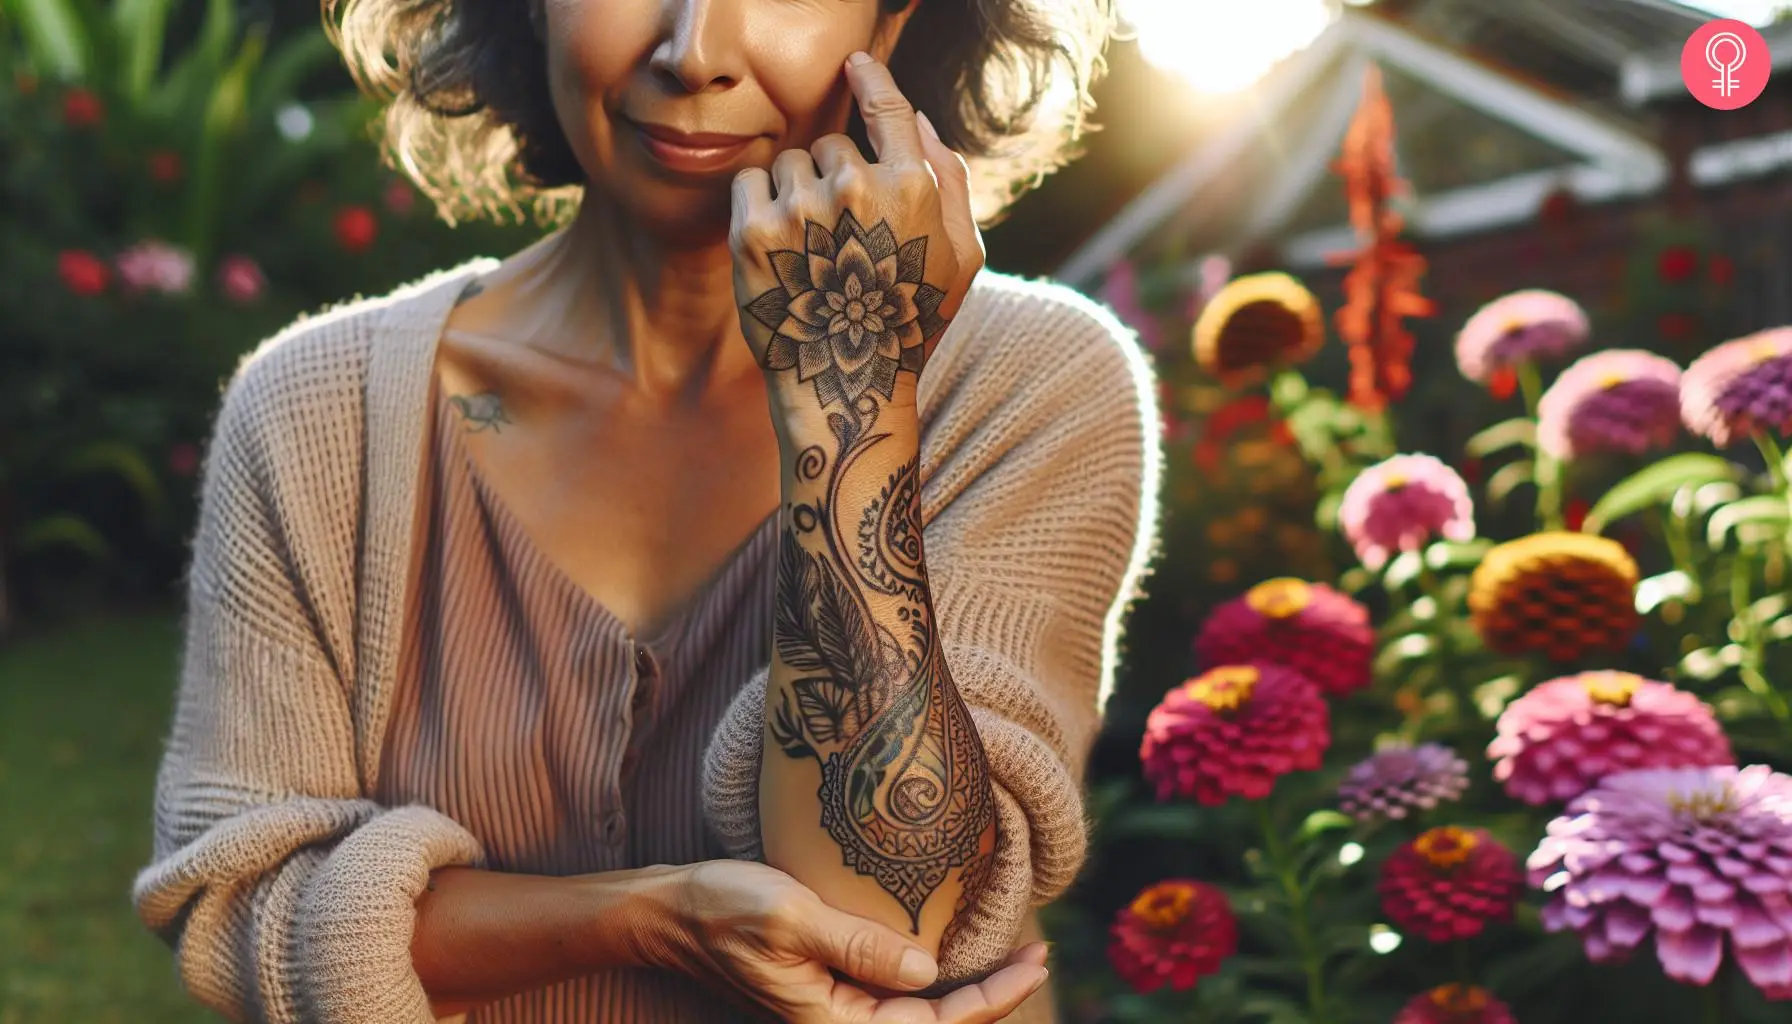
column 698, row 51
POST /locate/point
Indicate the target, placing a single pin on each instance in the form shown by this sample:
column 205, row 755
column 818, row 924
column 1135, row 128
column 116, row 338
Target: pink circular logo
column 1725, row 64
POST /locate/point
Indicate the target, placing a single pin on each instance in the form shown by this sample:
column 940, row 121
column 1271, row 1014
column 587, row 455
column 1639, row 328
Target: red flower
column 1574, row 516
column 165, row 166
column 1470, row 471
column 1449, row 883
column 1558, row 207
column 1677, row 326
column 1234, row 730
column 183, row 458
column 1503, row 384
column 1455, row 1004
column 356, row 228
column 1722, row 270
column 1677, row 263
column 241, row 279
column 82, row 272
column 1309, row 627
column 399, row 198
column 81, row 108
column 1173, row 933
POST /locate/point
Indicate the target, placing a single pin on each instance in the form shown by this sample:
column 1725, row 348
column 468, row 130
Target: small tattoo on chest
column 481, row 411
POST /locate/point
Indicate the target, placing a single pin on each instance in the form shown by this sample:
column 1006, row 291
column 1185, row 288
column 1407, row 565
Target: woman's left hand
column 848, row 275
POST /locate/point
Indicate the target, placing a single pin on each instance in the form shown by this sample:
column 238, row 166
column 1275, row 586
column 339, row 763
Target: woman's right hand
column 759, row 935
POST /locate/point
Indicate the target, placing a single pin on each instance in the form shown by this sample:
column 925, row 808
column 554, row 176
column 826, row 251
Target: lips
column 688, row 152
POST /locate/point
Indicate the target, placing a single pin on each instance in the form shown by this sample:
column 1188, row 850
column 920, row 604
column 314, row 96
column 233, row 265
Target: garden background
column 181, row 179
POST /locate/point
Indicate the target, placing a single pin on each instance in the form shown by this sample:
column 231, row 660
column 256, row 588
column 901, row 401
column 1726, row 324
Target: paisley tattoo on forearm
column 905, row 788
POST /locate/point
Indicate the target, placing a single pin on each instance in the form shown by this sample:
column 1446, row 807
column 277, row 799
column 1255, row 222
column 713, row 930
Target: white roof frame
column 1647, row 77
column 1616, row 162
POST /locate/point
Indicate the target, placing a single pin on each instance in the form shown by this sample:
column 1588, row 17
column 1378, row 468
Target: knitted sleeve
column 285, row 894
column 1042, row 463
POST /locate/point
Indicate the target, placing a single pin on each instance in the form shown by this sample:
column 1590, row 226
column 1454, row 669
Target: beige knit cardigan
column 288, row 894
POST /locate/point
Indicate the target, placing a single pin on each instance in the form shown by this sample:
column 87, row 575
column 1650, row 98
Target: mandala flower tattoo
column 850, row 310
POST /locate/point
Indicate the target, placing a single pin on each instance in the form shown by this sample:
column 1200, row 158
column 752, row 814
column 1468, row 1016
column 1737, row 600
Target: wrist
column 638, row 916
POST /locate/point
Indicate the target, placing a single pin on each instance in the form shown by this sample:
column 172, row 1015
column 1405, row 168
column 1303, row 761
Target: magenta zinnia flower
column 1309, row 627
column 1400, row 504
column 1234, row 730
column 1172, row 933
column 1455, row 1004
column 1449, row 883
column 1399, row 781
column 1618, row 400
column 1523, row 327
column 1555, row 742
column 1740, row 387
column 1688, row 855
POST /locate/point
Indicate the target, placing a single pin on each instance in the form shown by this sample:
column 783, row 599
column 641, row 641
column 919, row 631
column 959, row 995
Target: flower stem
column 1283, row 866
column 1548, row 469
column 1742, row 612
column 1717, row 994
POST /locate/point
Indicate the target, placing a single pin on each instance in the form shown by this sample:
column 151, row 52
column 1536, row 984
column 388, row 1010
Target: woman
column 533, row 672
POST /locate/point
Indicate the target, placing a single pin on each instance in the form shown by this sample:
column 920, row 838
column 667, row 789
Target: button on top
column 644, row 662
column 615, row 827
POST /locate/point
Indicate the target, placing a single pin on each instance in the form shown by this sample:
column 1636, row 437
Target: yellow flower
column 1256, row 322
column 1558, row 594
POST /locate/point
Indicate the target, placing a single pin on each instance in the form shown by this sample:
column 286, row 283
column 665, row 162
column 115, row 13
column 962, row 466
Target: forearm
column 875, row 791
column 484, row 935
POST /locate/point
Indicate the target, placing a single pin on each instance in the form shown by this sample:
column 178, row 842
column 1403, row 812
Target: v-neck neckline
column 672, row 629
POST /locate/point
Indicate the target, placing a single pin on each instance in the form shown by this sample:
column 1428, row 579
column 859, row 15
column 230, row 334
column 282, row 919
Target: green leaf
column 1655, row 485
column 140, row 25
column 1155, row 821
column 1766, row 511
column 223, row 119
column 123, row 462
column 54, row 36
column 64, row 531
column 1402, row 570
column 1509, row 478
column 285, row 70
column 1500, row 436
column 1406, row 648
column 1320, row 822
column 1449, row 554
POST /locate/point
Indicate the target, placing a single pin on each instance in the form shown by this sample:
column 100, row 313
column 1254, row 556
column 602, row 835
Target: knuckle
column 852, row 184
column 888, row 103
column 862, row 954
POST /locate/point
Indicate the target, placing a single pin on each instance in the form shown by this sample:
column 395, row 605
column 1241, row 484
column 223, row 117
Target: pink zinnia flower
column 1455, row 1004
column 1449, row 883
column 1309, row 627
column 1740, row 387
column 1557, row 741
column 1234, row 730
column 241, row 279
column 1402, row 503
column 1523, row 327
column 1172, row 933
column 1689, row 856
column 1618, row 400
column 154, row 265
column 1399, row 781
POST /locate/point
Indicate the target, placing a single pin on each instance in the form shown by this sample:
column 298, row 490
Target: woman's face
column 634, row 80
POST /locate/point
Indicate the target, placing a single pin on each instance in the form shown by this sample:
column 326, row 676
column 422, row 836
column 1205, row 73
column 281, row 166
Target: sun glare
column 1223, row 46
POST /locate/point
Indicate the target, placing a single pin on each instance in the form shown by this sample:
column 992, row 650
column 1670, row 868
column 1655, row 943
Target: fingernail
column 927, row 126
column 859, row 57
column 917, row 969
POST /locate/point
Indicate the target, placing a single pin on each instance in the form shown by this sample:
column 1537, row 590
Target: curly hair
column 469, row 119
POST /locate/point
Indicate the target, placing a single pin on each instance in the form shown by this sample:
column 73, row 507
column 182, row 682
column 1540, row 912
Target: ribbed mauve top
column 527, row 712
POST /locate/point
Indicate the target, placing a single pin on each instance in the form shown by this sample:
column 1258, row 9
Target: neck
column 612, row 290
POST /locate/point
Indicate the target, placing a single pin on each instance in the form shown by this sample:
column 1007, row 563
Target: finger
column 993, row 998
column 750, row 193
column 889, row 119
column 793, row 171
column 952, row 173
column 869, row 952
column 833, row 153
column 1034, row 953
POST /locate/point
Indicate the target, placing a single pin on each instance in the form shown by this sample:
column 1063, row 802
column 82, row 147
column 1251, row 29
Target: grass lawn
column 83, row 710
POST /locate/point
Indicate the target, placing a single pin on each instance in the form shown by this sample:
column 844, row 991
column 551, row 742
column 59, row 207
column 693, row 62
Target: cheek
column 798, row 64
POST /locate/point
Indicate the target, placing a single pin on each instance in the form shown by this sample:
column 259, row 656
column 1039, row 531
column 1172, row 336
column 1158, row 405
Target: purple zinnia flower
column 1523, row 327
column 1561, row 738
column 1688, row 855
column 1399, row 781
column 1400, row 504
column 1740, row 387
column 1619, row 400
